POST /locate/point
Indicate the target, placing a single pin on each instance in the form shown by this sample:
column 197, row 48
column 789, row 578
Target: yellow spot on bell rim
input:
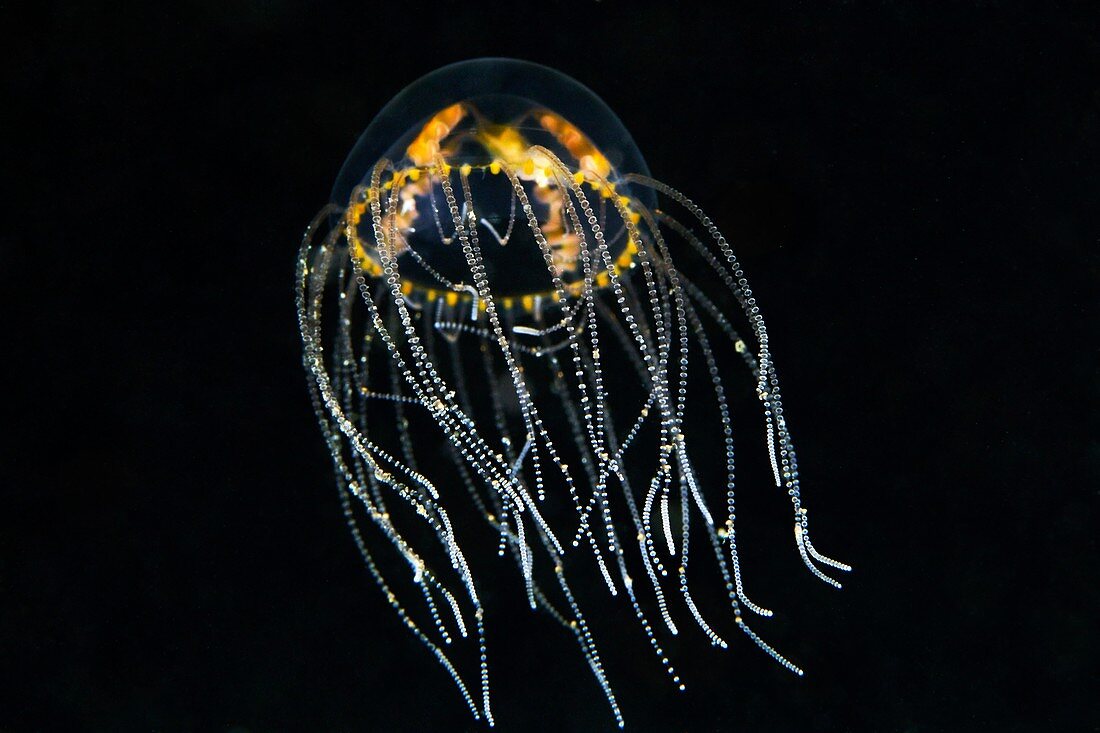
column 494, row 167
column 355, row 212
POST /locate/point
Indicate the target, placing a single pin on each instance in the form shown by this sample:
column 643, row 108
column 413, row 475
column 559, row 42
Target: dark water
column 912, row 191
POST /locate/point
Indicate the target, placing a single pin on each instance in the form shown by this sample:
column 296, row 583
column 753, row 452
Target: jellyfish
column 521, row 349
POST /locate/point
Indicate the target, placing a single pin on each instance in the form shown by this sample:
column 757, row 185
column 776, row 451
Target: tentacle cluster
column 463, row 402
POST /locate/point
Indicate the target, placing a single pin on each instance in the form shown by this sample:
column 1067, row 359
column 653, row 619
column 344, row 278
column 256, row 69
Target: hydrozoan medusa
column 504, row 355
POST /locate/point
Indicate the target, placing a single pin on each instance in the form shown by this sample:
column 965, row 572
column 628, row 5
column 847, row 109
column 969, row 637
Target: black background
column 911, row 189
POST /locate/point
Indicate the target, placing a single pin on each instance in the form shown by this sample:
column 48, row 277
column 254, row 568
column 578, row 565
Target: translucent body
column 480, row 116
column 513, row 352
